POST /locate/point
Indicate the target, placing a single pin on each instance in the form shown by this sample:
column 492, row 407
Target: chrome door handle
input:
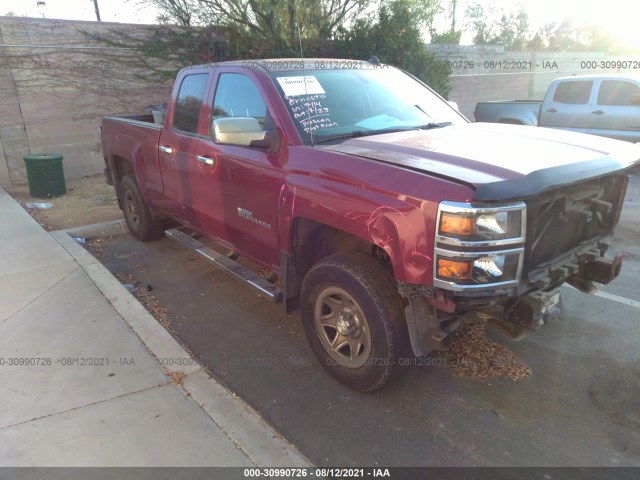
column 552, row 110
column 205, row 160
column 165, row 149
column 597, row 112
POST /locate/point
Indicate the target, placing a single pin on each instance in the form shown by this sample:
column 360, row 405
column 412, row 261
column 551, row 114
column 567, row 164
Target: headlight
column 454, row 269
column 481, row 226
column 478, row 268
column 490, row 267
column 479, row 246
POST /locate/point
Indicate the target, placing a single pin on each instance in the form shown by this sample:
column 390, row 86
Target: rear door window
column 189, row 102
column 575, row 93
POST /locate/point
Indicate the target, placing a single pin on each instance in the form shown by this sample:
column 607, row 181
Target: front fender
column 401, row 226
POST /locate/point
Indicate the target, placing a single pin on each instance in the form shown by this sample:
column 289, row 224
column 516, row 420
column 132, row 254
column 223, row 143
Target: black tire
column 354, row 320
column 141, row 223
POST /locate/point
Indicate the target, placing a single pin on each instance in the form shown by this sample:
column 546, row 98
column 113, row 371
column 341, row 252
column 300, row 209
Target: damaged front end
column 505, row 263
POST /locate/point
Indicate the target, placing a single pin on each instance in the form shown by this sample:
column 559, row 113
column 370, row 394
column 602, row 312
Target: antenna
column 295, row 6
column 304, row 66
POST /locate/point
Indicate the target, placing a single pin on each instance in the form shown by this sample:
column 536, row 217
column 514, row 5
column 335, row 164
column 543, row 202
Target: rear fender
column 520, row 119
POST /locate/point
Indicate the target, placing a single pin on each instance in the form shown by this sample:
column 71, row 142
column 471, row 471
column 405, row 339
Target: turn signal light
column 458, row 270
column 453, row 224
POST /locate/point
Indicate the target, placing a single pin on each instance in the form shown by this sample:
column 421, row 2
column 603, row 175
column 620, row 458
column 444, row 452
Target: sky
column 618, row 16
column 123, row 11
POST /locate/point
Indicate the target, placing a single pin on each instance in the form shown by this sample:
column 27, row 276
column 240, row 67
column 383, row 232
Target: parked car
column 390, row 219
column 606, row 105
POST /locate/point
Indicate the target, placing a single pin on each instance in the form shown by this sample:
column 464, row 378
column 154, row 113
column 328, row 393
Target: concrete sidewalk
column 84, row 370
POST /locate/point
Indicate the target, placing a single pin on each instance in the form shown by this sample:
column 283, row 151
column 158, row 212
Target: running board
column 254, row 280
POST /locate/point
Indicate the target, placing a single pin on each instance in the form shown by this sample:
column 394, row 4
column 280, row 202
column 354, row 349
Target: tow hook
column 598, row 269
column 528, row 314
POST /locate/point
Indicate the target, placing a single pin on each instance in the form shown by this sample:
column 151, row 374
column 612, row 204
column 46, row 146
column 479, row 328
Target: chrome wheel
column 342, row 327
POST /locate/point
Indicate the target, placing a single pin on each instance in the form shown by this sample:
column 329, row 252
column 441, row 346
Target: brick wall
column 56, row 84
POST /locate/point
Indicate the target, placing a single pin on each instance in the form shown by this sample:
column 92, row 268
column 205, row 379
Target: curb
column 238, row 420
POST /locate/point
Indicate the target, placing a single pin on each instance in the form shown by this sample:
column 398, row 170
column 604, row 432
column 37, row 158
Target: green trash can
column 45, row 175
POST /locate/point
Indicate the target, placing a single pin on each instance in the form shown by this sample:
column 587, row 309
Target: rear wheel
column 141, row 223
column 354, row 320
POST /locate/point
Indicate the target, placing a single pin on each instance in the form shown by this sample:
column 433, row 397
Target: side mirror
column 242, row 131
column 453, row 105
column 635, row 99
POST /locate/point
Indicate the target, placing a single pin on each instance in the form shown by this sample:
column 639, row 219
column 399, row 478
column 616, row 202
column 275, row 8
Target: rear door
column 566, row 105
column 613, row 115
column 186, row 158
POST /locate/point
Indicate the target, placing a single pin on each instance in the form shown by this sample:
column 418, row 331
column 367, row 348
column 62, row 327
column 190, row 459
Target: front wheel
column 141, row 223
column 354, row 321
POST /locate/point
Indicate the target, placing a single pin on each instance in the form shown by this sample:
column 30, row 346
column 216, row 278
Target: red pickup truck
column 370, row 204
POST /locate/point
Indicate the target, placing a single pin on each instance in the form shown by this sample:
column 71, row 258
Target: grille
column 562, row 219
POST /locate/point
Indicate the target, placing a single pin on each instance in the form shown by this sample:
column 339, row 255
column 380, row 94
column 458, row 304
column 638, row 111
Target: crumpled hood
column 498, row 161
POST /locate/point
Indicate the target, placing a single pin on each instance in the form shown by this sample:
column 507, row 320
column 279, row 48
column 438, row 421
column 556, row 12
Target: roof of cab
column 297, row 64
column 601, row 76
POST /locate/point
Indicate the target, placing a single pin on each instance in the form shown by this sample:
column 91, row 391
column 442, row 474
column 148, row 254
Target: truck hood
column 500, row 162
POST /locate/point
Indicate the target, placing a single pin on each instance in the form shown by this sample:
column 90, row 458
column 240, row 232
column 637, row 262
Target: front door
column 568, row 107
column 249, row 177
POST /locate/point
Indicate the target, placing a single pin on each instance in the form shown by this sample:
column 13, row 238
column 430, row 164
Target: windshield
column 334, row 104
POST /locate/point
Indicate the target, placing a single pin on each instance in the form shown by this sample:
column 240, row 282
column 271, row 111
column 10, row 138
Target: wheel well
column 310, row 242
column 122, row 167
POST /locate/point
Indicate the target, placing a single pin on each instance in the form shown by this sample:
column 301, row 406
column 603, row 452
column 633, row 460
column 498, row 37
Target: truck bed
column 134, row 137
column 523, row 112
column 144, row 118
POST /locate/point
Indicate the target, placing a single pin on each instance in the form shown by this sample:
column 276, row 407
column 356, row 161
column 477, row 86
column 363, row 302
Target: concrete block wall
column 55, row 86
column 13, row 136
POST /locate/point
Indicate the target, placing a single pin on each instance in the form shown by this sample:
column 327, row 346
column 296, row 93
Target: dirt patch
column 96, row 247
column 88, row 200
column 474, row 355
column 151, row 303
column 140, row 291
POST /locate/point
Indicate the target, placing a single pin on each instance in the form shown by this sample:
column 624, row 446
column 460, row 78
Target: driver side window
column 237, row 96
column 239, row 115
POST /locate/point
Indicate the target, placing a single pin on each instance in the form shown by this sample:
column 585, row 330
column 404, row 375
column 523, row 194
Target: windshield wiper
column 366, row 133
column 429, row 126
column 329, row 138
column 363, row 133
